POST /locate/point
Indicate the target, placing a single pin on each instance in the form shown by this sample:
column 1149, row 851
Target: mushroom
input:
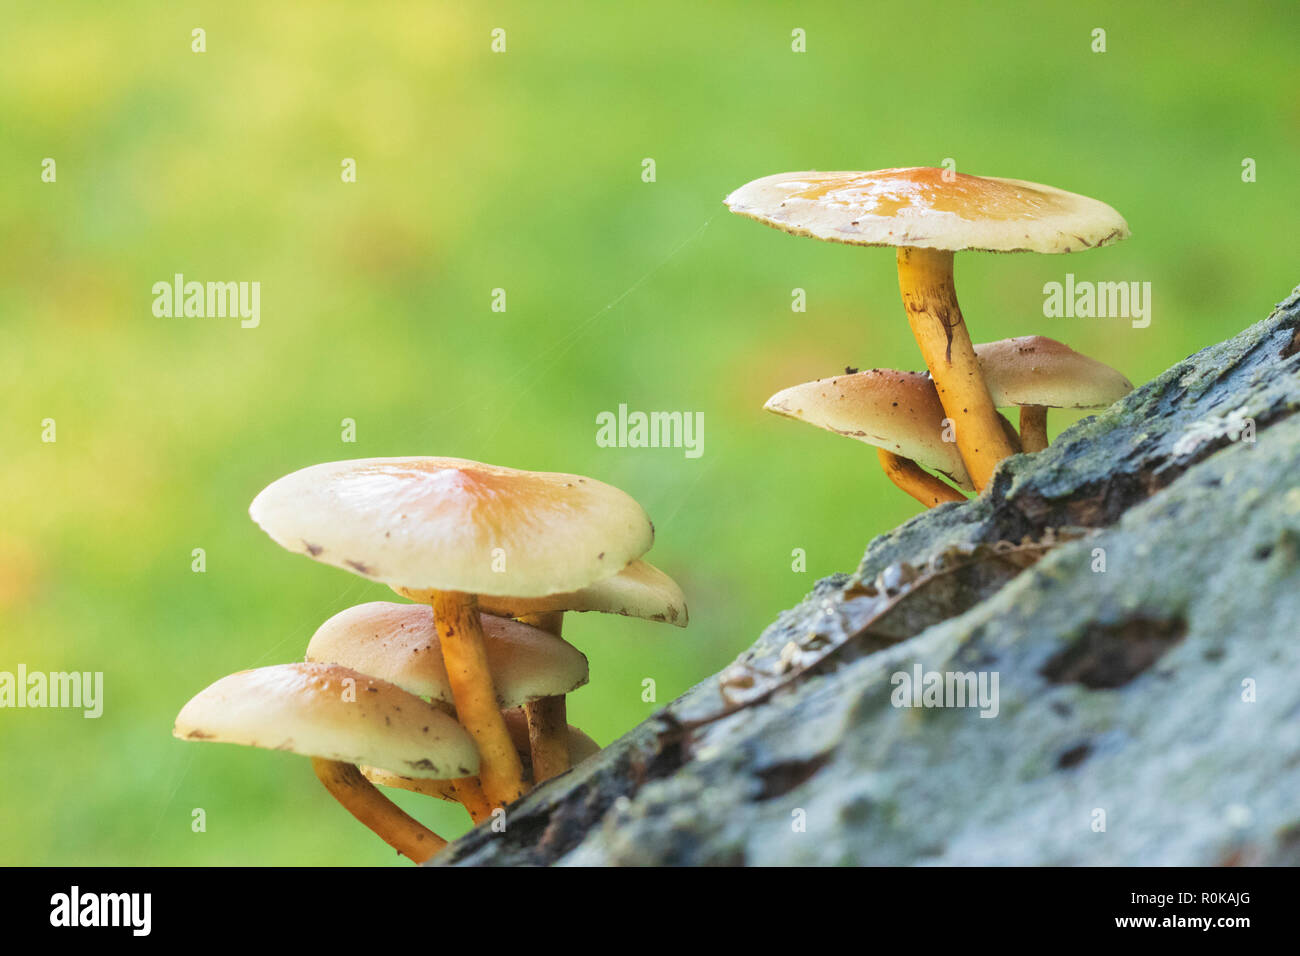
column 457, row 529
column 898, row 412
column 399, row 643
column 1037, row 373
column 579, row 747
column 929, row 214
column 339, row 718
column 639, row 590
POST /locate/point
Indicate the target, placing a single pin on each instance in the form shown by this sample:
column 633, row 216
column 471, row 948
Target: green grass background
column 519, row 170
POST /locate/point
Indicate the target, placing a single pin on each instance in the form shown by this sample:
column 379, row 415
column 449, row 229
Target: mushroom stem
column 926, row 282
column 363, row 800
column 552, row 622
column 548, row 732
column 548, row 719
column 468, row 792
column 461, row 635
column 920, row 484
column 1033, row 427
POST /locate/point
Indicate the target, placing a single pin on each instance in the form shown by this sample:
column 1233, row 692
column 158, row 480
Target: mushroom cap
column 398, row 643
column 639, row 590
column 917, row 207
column 455, row 525
column 310, row 709
column 1036, row 370
column 897, row 411
column 580, row 748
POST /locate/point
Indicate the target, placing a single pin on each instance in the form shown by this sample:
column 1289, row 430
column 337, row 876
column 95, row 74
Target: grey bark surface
column 1159, row 696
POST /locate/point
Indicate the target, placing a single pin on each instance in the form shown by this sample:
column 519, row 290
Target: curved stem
column 920, row 484
column 360, row 798
column 460, row 633
column 466, row 791
column 1033, row 427
column 930, row 298
column 548, row 720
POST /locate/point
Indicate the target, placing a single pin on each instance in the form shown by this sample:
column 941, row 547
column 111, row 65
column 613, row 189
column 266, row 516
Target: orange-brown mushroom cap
column 455, row 525
column 398, row 643
column 928, row 208
column 1036, row 370
column 897, row 411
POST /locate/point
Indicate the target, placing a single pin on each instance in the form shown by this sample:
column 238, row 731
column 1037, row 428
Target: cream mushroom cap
column 313, row 710
column 897, row 411
column 398, row 643
column 581, row 747
column 927, row 208
column 455, row 525
column 639, row 590
column 1036, row 370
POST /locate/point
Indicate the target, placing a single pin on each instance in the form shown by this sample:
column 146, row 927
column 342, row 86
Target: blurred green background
column 519, row 170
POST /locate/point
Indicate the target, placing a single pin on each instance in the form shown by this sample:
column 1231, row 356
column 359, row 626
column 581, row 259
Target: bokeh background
column 519, row 170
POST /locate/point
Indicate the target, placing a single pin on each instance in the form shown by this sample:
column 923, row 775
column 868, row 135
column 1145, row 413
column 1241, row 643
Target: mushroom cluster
column 901, row 415
column 929, row 214
column 461, row 695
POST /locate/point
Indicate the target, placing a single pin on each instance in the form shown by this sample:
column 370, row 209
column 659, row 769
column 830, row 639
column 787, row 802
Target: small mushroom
column 929, row 214
column 897, row 412
column 1037, row 373
column 639, row 590
column 339, row 718
column 399, row 643
column 457, row 529
column 579, row 747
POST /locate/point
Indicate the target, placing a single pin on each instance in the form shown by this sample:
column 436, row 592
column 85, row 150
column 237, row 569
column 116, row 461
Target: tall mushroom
column 897, row 412
column 457, row 529
column 340, row 718
column 399, row 643
column 1037, row 373
column 929, row 214
column 639, row 590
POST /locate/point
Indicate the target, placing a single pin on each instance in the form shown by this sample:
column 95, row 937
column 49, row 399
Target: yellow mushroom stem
column 363, row 800
column 460, row 633
column 463, row 790
column 468, row 792
column 920, row 484
column 548, row 718
column 1033, row 427
column 926, row 282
